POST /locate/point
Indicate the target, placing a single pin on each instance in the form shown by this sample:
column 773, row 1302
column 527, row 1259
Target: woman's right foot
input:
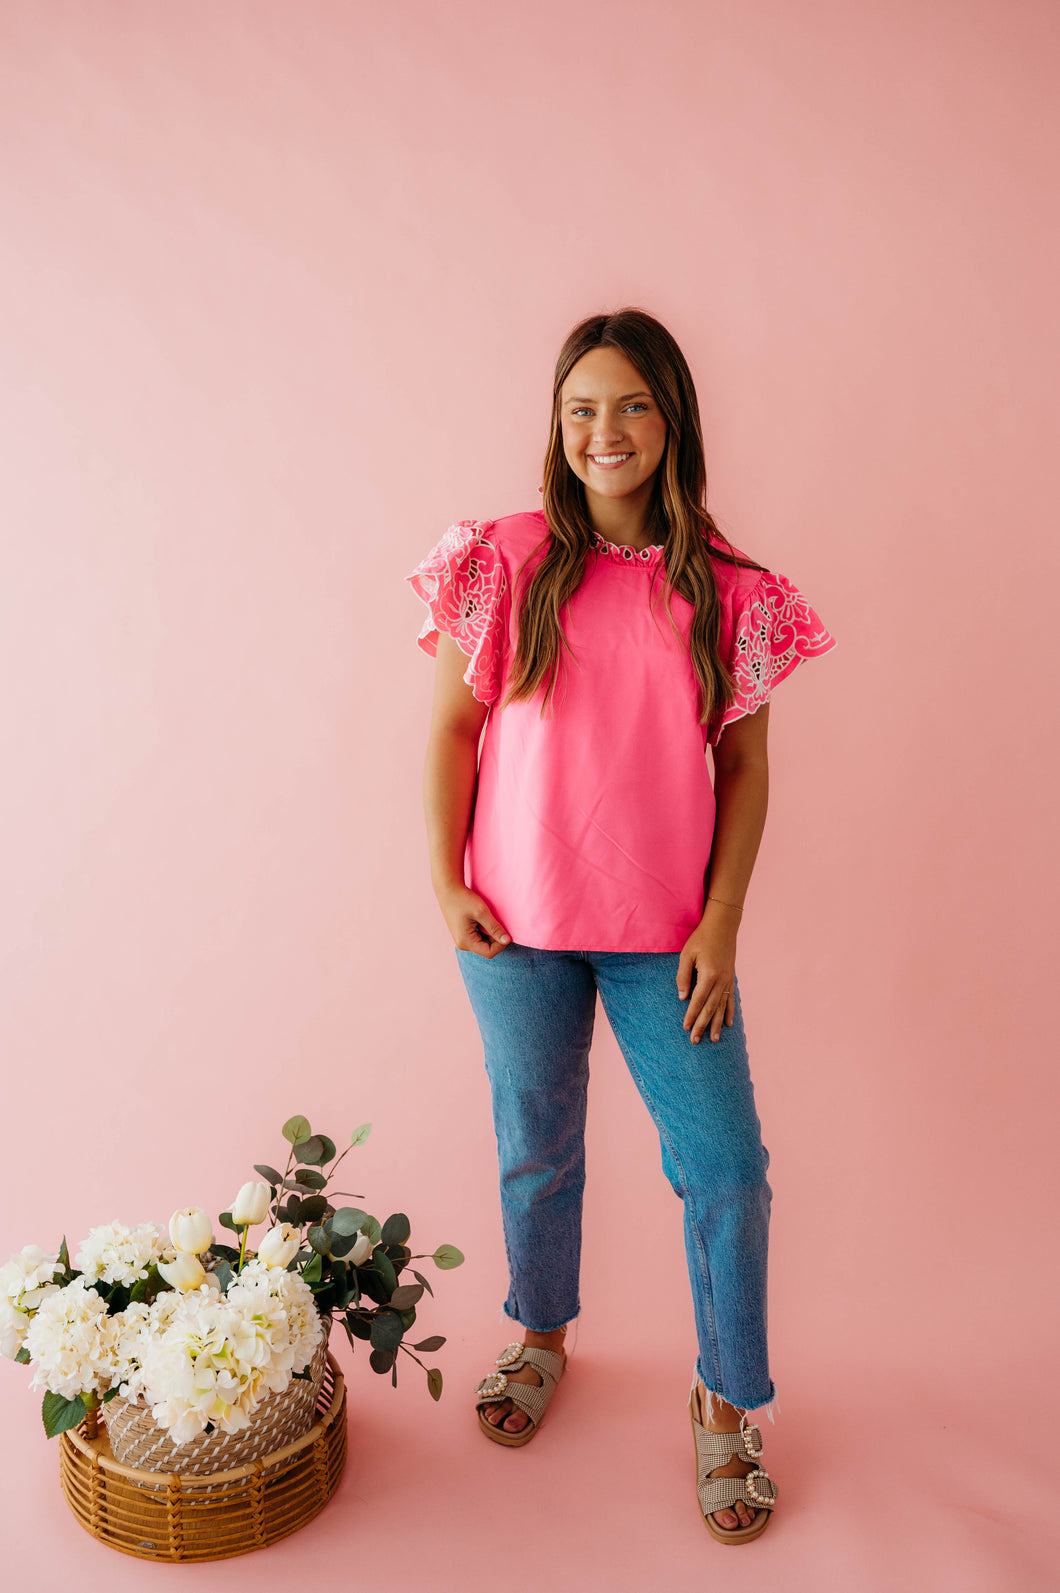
column 504, row 1413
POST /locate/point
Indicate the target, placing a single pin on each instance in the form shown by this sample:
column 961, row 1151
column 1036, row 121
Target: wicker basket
column 136, row 1441
column 176, row 1516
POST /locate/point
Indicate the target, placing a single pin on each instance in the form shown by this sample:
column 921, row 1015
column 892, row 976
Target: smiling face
column 614, row 433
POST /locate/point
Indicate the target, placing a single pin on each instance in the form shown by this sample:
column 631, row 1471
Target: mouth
column 608, row 461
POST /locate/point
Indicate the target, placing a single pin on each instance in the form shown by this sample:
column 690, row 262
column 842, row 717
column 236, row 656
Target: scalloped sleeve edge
column 461, row 581
column 777, row 631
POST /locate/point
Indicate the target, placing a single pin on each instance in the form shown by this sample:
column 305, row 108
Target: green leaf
column 224, row 1275
column 383, row 1265
column 447, row 1256
column 59, row 1414
column 313, row 1269
column 64, row 1256
column 306, row 1374
column 382, row 1360
column 23, row 1356
column 112, row 1393
column 308, row 1178
column 406, row 1296
column 435, row 1342
column 320, row 1240
column 310, row 1150
column 434, row 1382
column 225, row 1219
column 329, row 1148
column 356, row 1325
column 421, row 1279
column 387, row 1330
column 347, row 1220
column 359, row 1135
column 296, row 1129
column 268, row 1173
column 396, row 1229
column 342, row 1244
column 312, row 1208
column 371, row 1227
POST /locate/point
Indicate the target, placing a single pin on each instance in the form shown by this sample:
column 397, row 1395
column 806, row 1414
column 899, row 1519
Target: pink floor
column 882, row 1487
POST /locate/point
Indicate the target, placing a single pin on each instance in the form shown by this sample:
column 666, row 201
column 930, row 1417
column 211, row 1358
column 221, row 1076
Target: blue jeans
column 535, row 1011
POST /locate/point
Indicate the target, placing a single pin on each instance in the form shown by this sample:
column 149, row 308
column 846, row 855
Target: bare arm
column 449, row 778
column 741, row 793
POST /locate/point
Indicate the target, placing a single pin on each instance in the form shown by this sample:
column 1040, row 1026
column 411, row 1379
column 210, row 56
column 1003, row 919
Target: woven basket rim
column 188, row 1481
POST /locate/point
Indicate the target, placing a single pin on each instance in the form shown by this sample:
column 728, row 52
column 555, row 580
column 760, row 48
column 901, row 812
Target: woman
column 604, row 641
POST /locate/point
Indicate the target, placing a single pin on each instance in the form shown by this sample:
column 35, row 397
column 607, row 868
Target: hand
column 711, row 952
column 471, row 923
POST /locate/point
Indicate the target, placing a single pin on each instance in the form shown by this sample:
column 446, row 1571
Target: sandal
column 529, row 1397
column 719, row 1493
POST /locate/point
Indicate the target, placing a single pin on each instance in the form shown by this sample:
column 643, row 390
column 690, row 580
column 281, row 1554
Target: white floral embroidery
column 774, row 634
column 462, row 581
column 626, row 555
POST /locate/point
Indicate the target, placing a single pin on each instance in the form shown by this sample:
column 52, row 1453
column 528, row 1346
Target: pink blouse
column 592, row 825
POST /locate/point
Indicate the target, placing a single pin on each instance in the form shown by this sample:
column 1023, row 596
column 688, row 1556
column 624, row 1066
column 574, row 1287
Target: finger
column 703, row 1021
column 719, row 1016
column 730, row 1007
column 685, row 965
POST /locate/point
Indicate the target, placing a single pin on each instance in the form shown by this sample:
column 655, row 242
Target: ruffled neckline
column 619, row 553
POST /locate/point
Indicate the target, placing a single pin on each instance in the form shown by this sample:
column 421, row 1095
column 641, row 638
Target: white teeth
column 607, row 459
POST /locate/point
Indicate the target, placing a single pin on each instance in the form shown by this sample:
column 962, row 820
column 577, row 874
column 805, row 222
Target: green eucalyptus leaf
column 447, row 1256
column 387, row 1330
column 357, row 1325
column 434, row 1382
column 347, row 1220
column 313, row 1269
column 296, row 1129
column 64, row 1256
column 396, row 1229
column 310, row 1150
column 23, row 1355
column 435, row 1342
column 224, row 1275
column 371, row 1227
column 384, row 1267
column 342, row 1244
column 225, row 1219
column 359, row 1135
column 59, row 1414
column 421, row 1279
column 320, row 1240
column 112, row 1393
column 312, row 1208
column 268, row 1173
column 406, row 1296
column 382, row 1360
column 329, row 1148
column 309, row 1178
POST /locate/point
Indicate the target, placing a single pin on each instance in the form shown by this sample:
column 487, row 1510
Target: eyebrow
column 624, row 399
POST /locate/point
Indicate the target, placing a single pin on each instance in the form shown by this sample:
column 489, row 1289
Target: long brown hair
column 677, row 515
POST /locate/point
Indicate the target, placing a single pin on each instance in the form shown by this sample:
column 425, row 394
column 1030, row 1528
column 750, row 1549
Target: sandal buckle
column 759, row 1498
column 493, row 1383
column 510, row 1354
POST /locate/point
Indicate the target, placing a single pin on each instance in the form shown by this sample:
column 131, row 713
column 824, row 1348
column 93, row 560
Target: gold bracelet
column 724, row 904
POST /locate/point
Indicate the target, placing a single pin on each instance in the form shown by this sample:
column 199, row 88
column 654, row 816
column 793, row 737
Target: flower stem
column 243, row 1247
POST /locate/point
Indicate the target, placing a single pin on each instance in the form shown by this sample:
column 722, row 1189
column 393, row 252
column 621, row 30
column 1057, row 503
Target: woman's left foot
column 725, row 1418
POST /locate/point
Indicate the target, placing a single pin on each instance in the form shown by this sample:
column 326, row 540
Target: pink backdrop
column 283, row 286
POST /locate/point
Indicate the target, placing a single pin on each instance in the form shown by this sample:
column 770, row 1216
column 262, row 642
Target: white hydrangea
column 114, row 1253
column 70, row 1342
column 305, row 1329
column 25, row 1281
column 203, row 1357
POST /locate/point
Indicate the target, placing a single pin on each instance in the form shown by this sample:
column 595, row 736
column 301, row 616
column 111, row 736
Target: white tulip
column 184, row 1273
column 251, row 1205
column 361, row 1250
column 190, row 1229
column 279, row 1246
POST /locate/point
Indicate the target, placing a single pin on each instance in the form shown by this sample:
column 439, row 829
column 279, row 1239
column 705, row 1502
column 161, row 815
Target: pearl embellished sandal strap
column 720, row 1493
column 529, row 1397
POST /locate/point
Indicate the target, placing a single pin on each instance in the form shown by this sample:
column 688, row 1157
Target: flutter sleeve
column 462, row 582
column 774, row 631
